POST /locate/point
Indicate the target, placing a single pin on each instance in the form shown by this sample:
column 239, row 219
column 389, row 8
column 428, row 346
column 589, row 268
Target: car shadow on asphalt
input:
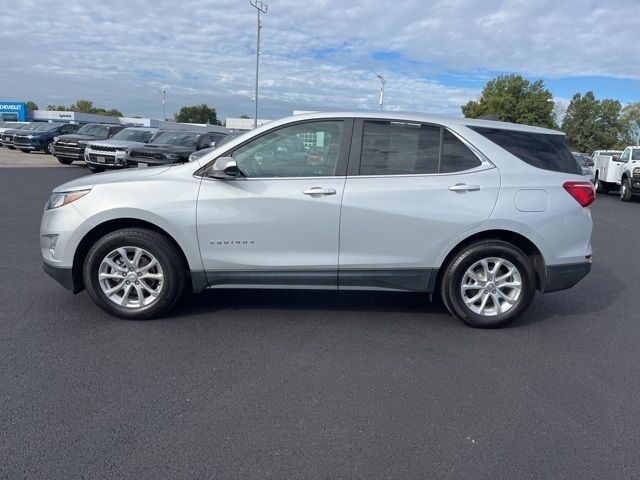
column 595, row 294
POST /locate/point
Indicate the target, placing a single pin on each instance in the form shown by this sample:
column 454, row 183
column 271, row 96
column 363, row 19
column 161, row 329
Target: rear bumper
column 562, row 277
column 62, row 275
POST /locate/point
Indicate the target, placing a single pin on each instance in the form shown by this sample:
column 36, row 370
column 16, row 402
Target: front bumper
column 148, row 162
column 105, row 159
column 563, row 277
column 68, row 151
column 62, row 275
column 635, row 185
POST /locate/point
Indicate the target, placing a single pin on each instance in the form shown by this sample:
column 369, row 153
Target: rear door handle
column 463, row 187
column 317, row 191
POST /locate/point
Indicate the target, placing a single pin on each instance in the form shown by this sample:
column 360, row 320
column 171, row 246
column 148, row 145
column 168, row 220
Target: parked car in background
column 10, row 126
column 7, row 135
column 170, row 146
column 605, row 152
column 628, row 173
column 201, row 153
column 42, row 137
column 607, row 170
column 587, row 171
column 68, row 148
column 109, row 154
column 481, row 213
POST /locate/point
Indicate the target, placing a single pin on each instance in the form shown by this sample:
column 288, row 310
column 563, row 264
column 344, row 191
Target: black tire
column 168, row 256
column 95, row 169
column 602, row 187
column 625, row 190
column 25, row 150
column 65, row 161
column 48, row 147
column 11, row 147
column 454, row 275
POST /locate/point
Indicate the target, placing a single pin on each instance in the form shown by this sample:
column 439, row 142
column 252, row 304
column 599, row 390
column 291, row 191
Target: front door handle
column 463, row 187
column 318, row 191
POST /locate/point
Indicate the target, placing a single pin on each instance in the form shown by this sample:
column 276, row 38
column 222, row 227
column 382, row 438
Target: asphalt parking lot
column 291, row 384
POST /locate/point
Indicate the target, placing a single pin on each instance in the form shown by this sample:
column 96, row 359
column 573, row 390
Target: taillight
column 583, row 192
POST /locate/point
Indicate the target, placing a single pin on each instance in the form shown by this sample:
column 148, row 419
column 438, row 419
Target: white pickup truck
column 620, row 172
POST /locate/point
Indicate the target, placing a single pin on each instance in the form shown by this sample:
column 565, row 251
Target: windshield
column 92, row 129
column 47, row 127
column 133, row 135
column 580, row 159
column 32, row 126
column 186, row 139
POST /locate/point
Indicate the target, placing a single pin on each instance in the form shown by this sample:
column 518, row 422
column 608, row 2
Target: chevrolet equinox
column 482, row 213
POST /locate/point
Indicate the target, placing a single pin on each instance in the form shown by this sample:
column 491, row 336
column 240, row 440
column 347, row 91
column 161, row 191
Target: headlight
column 30, row 136
column 173, row 156
column 121, row 149
column 64, row 198
column 55, row 139
column 82, row 143
column 192, row 157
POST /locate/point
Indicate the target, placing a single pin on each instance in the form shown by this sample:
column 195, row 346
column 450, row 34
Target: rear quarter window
column 545, row 151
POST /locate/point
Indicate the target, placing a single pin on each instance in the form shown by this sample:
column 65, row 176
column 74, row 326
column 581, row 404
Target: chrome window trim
column 480, row 168
column 248, row 179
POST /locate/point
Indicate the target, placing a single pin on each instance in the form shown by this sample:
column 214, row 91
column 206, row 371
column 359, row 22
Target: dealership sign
column 13, row 111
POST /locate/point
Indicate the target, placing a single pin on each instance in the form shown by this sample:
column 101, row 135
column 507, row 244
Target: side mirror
column 590, row 163
column 224, row 167
column 212, row 144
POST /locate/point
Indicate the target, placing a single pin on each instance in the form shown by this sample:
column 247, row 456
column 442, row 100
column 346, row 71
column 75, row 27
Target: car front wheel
column 625, row 190
column 134, row 273
column 65, row 161
column 489, row 284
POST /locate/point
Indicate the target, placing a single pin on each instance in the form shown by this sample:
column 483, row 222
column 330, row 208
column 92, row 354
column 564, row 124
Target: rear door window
column 405, row 148
column 541, row 150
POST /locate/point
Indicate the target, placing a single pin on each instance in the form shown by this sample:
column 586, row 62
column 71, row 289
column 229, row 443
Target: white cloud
column 316, row 55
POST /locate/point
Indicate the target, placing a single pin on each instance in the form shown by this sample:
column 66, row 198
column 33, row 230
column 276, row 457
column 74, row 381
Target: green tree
column 62, row 108
column 629, row 125
column 244, row 116
column 84, row 106
column 592, row 124
column 513, row 98
column 197, row 114
column 32, row 105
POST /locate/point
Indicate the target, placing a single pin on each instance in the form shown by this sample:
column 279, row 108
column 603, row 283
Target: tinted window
column 47, row 127
column 396, row 148
column 185, row 139
column 90, row 129
column 546, row 151
column 456, row 156
column 304, row 150
column 635, row 155
column 134, row 135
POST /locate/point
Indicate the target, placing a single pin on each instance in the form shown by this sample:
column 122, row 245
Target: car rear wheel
column 625, row 190
column 134, row 273
column 25, row 150
column 65, row 161
column 601, row 187
column 489, row 284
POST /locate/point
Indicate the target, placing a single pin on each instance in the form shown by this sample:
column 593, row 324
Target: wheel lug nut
column 128, row 282
column 131, row 269
column 139, row 274
column 137, row 282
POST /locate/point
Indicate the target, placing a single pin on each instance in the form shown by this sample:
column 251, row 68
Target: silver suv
column 481, row 213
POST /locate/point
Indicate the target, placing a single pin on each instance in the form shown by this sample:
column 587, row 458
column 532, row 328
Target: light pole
column 261, row 8
column 383, row 82
column 163, row 91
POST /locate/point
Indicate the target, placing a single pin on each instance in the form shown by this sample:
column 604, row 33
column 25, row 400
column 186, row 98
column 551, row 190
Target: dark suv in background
column 7, row 135
column 171, row 146
column 42, row 137
column 68, row 148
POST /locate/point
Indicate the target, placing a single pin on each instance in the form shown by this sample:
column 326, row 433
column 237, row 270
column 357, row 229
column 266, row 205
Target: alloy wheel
column 491, row 286
column 131, row 277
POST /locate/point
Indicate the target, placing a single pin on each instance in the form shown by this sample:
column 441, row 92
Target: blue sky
column 436, row 55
